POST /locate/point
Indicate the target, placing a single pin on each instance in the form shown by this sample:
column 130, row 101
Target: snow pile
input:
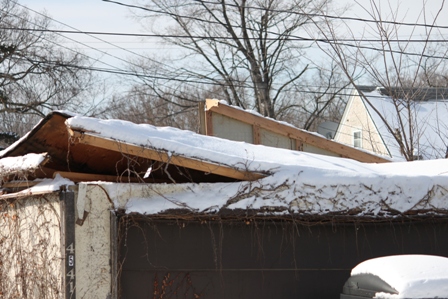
column 413, row 276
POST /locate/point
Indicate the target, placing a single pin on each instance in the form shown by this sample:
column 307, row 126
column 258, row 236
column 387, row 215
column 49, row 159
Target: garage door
column 258, row 259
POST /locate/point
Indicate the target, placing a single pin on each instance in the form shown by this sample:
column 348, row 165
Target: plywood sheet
column 232, row 129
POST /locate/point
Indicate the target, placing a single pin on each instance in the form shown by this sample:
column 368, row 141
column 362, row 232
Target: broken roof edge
column 22, row 165
column 7, row 151
column 43, row 186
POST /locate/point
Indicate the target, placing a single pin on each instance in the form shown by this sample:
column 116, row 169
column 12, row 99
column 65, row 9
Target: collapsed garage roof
column 170, row 168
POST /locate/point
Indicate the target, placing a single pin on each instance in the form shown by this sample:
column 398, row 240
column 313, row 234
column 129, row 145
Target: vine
column 30, row 254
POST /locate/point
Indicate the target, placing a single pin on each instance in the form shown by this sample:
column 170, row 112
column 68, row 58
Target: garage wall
column 30, row 247
column 264, row 259
column 93, row 243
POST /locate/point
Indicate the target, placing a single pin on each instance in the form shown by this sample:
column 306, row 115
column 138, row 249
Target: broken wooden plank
column 89, row 177
column 86, row 177
column 164, row 157
column 19, row 184
column 25, row 193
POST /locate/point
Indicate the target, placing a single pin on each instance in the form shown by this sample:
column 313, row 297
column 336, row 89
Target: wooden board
column 162, row 156
column 302, row 136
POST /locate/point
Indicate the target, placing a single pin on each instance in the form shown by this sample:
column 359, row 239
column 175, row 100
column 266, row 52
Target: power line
column 185, row 80
column 115, row 70
column 341, row 42
column 308, row 15
column 54, row 42
column 75, row 30
column 291, row 38
column 119, row 71
column 77, row 42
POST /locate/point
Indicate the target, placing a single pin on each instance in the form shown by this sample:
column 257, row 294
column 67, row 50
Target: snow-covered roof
column 298, row 182
column 430, row 119
column 289, row 182
column 22, row 164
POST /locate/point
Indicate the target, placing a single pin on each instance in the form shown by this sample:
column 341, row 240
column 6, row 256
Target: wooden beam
column 25, row 193
column 256, row 134
column 164, row 157
column 294, row 133
column 20, row 184
column 208, row 123
column 202, row 118
column 88, row 177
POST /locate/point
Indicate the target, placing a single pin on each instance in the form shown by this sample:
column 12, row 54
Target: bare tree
column 247, row 50
column 391, row 58
column 141, row 104
column 320, row 97
column 36, row 74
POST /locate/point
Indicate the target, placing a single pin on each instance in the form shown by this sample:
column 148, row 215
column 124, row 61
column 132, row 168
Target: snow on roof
column 299, row 182
column 44, row 186
column 431, row 124
column 413, row 276
column 21, row 165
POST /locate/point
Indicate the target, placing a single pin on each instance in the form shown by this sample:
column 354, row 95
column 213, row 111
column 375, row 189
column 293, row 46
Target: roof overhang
column 79, row 155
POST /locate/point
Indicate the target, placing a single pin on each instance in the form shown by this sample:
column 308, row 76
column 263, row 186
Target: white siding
column 357, row 118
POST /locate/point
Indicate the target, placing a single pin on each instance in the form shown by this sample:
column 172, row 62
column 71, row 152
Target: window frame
column 357, row 140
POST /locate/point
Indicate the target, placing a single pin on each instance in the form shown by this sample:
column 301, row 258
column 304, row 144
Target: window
column 357, row 140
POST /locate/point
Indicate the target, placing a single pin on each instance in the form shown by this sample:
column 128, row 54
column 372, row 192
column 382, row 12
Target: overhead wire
column 116, row 70
column 342, row 42
column 91, row 68
column 292, row 38
column 59, row 32
column 142, row 75
column 327, row 16
column 129, row 73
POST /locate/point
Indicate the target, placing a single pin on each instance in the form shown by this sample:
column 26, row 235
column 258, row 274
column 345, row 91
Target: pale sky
column 97, row 15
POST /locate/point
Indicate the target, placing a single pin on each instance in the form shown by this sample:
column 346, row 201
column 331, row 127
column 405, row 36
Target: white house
column 375, row 119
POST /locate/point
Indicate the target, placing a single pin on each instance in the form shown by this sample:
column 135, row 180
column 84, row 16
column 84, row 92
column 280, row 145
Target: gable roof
column 420, row 94
column 430, row 115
